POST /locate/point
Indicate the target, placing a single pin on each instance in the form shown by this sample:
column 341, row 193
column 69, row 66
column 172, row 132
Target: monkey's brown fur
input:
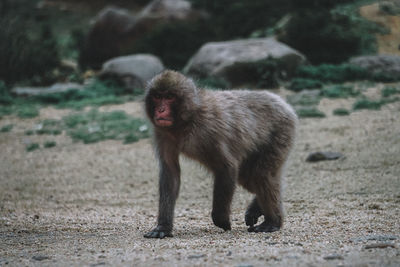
column 240, row 136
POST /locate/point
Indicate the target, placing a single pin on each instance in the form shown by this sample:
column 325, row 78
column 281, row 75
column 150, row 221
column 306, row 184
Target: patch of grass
column 339, row 91
column 5, row 97
column 308, row 98
column 365, row 103
column 27, row 111
column 6, row 128
column 32, row 147
column 333, row 73
column 99, row 101
column 389, row 91
column 310, row 113
column 49, row 144
column 95, row 126
column 5, row 110
column 299, row 84
column 96, row 94
column 341, row 112
column 49, row 126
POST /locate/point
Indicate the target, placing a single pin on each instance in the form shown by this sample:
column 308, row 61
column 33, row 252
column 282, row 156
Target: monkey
column 242, row 137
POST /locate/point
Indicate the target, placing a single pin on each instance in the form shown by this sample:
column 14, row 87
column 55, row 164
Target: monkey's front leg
column 169, row 189
column 224, row 187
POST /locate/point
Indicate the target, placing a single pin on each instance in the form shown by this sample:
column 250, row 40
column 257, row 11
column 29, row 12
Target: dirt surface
column 89, row 205
column 388, row 43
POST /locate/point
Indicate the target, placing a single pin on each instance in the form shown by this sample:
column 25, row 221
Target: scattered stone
column 196, row 256
column 97, row 264
column 55, row 88
column 319, row 156
column 387, row 64
column 380, row 245
column 333, row 257
column 40, row 257
column 132, row 71
column 380, row 238
column 245, row 265
column 305, row 98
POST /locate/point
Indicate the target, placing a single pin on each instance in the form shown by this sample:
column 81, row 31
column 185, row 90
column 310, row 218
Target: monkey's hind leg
column 253, row 212
column 268, row 196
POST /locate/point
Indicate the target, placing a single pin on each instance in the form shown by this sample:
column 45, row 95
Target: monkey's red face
column 163, row 114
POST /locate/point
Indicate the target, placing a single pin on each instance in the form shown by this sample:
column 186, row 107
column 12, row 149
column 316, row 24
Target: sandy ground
column 89, row 205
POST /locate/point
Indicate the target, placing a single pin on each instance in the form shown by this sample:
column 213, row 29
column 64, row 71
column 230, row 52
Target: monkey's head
column 171, row 99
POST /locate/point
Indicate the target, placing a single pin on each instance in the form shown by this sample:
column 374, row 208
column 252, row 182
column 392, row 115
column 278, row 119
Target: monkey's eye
column 169, row 96
column 157, row 96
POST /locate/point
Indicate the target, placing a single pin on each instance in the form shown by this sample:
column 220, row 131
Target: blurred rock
column 305, row 98
column 55, row 88
column 132, row 71
column 115, row 30
column 390, row 7
column 333, row 257
column 217, row 58
column 387, row 64
column 318, row 156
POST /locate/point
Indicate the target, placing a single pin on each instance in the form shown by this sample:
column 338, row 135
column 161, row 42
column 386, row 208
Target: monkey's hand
column 222, row 221
column 159, row 232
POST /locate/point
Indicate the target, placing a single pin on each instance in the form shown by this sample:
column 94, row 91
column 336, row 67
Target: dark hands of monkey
column 242, row 137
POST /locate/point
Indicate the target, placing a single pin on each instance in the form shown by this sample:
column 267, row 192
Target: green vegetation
column 389, row 91
column 27, row 111
column 95, row 126
column 32, row 147
column 49, row 144
column 28, row 49
column 239, row 18
column 311, row 112
column 341, row 112
column 311, row 77
column 365, row 103
column 6, row 128
column 339, row 91
column 318, row 27
column 5, row 97
column 298, row 84
column 95, row 94
column 333, row 73
column 49, row 126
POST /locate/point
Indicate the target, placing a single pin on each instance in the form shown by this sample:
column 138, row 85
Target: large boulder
column 132, row 71
column 114, row 30
column 219, row 59
column 376, row 64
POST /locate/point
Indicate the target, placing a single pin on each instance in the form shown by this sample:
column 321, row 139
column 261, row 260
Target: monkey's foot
column 221, row 222
column 251, row 218
column 265, row 227
column 158, row 232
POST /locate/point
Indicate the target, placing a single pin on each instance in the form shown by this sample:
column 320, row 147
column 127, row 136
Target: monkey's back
column 232, row 124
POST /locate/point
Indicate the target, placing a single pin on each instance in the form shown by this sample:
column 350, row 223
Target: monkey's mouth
column 163, row 122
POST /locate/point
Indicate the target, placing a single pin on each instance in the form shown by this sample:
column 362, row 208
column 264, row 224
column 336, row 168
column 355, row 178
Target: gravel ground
column 89, row 205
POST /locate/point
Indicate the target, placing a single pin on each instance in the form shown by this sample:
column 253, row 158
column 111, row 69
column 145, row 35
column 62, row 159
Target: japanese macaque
column 241, row 136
